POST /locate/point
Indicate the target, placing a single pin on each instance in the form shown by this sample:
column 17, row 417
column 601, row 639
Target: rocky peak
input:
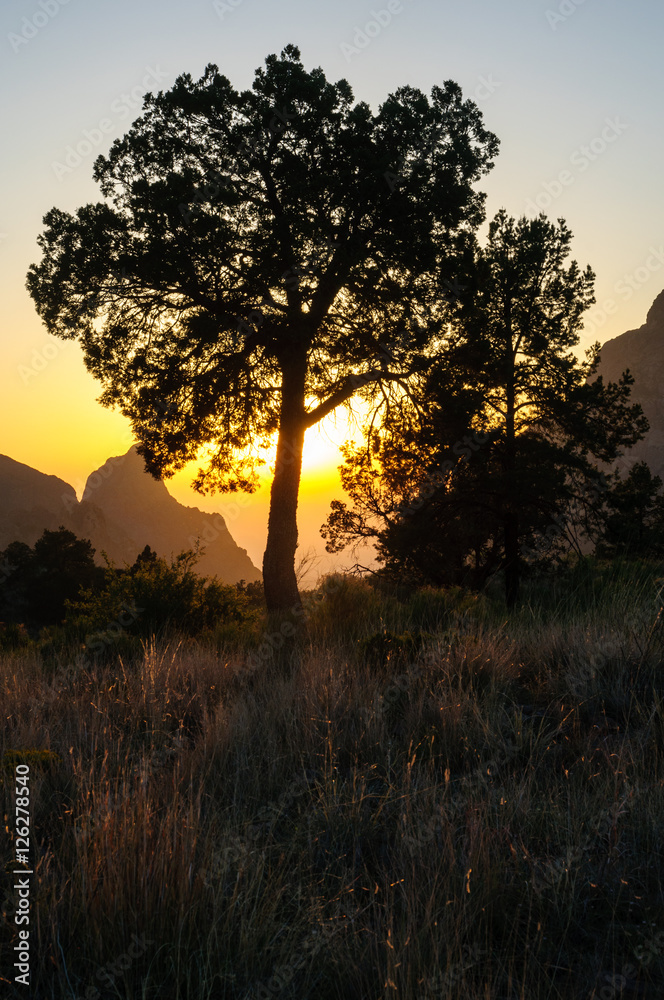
column 655, row 317
column 642, row 352
column 122, row 510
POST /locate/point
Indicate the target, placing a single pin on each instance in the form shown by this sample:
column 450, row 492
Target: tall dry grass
column 477, row 814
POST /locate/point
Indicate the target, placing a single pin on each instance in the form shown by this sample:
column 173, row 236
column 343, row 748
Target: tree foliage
column 38, row 581
column 633, row 516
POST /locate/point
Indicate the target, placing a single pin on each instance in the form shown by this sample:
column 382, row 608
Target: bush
column 435, row 608
column 38, row 582
column 344, row 604
column 155, row 597
column 13, row 636
column 33, row 758
column 386, row 647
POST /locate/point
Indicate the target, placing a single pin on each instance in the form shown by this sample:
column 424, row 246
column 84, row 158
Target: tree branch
column 346, row 390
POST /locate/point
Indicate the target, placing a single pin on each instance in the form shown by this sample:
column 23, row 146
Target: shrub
column 13, row 636
column 387, row 647
column 343, row 604
column 34, row 758
column 434, row 607
column 37, row 582
column 155, row 597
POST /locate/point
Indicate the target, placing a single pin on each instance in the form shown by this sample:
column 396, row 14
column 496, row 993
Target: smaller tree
column 633, row 516
column 16, row 561
column 39, row 581
column 505, row 371
column 144, row 560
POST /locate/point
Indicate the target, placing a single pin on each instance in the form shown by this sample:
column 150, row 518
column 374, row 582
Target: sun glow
column 246, row 515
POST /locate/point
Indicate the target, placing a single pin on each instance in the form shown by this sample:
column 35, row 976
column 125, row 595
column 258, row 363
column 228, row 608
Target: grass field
column 416, row 797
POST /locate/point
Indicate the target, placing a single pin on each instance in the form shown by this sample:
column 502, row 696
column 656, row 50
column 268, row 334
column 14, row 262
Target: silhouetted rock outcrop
column 30, row 502
column 642, row 351
column 123, row 509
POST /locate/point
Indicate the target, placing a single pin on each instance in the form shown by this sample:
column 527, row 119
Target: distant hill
column 642, row 351
column 30, row 502
column 123, row 509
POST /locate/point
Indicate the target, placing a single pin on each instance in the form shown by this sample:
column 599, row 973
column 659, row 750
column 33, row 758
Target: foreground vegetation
column 418, row 796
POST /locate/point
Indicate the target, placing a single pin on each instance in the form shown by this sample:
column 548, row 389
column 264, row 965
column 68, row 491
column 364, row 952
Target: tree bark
column 511, row 519
column 511, row 528
column 279, row 581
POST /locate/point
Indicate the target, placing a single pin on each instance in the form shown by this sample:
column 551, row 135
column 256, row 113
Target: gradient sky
column 572, row 89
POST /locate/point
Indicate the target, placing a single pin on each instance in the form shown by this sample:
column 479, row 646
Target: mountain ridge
column 122, row 510
column 642, row 352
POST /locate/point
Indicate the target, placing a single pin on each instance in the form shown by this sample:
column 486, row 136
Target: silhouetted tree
column 413, row 492
column 146, row 558
column 16, row 562
column 633, row 516
column 539, row 425
column 261, row 257
column 38, row 581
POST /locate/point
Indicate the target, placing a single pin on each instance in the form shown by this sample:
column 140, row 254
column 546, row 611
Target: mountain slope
column 122, row 510
column 30, row 501
column 642, row 351
column 126, row 495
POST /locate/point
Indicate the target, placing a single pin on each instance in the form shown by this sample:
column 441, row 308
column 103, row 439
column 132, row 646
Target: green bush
column 345, row 605
column 437, row 607
column 386, row 647
column 33, row 758
column 37, row 582
column 13, row 636
column 154, row 597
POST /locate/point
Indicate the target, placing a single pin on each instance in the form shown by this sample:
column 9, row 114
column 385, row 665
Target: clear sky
column 572, row 88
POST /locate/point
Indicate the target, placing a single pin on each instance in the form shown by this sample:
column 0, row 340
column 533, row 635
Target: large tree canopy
column 260, row 257
column 508, row 431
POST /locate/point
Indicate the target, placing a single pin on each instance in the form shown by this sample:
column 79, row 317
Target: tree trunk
column 511, row 520
column 279, row 581
column 511, row 529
